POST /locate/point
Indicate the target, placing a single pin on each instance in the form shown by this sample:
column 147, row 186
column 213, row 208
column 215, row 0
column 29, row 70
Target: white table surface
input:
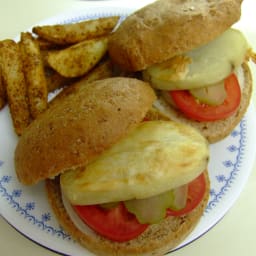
column 233, row 235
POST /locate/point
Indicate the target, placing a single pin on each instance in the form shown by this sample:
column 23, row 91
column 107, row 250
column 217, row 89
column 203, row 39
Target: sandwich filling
column 202, row 83
column 126, row 220
column 153, row 172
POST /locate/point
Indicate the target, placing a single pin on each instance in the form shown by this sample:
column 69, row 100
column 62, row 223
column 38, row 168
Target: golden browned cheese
column 153, row 158
column 80, row 126
column 167, row 28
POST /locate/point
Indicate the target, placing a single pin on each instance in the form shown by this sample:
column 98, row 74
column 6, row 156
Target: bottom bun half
column 157, row 239
column 213, row 131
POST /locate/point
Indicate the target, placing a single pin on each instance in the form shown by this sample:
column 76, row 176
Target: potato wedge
column 44, row 55
column 55, row 80
column 11, row 65
column 76, row 32
column 47, row 45
column 34, row 74
column 78, row 59
column 103, row 70
column 3, row 96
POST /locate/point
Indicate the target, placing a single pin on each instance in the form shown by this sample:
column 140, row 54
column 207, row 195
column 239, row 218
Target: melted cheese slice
column 202, row 66
column 155, row 157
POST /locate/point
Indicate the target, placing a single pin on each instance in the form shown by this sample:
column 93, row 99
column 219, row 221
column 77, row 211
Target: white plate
column 27, row 209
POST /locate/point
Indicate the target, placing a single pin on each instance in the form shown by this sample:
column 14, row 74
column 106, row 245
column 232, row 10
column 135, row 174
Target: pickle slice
column 109, row 205
column 152, row 210
column 212, row 95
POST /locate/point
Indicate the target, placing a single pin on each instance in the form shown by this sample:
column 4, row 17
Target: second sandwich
column 196, row 62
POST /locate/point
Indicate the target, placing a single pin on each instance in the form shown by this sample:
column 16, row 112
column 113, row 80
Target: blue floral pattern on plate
column 232, row 166
column 26, row 208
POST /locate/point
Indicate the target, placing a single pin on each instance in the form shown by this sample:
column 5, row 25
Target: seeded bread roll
column 167, row 28
column 216, row 130
column 62, row 138
column 157, row 239
column 79, row 128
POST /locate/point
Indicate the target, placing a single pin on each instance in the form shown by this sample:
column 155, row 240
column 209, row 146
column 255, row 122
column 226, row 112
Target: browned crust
column 82, row 124
column 217, row 130
column 167, row 28
column 156, row 240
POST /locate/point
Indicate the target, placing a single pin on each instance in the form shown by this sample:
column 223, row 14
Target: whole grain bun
column 167, row 28
column 213, row 131
column 80, row 125
column 156, row 240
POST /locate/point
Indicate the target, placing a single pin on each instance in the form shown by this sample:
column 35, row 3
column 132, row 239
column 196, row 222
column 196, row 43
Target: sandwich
column 192, row 57
column 118, row 182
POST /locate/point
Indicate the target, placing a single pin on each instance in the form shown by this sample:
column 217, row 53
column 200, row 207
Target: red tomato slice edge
column 203, row 112
column 116, row 224
column 119, row 225
column 196, row 191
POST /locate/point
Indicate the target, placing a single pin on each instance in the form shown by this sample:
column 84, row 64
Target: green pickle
column 109, row 205
column 153, row 210
column 211, row 95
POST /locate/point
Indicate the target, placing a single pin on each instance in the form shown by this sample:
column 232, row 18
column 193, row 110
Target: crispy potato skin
column 34, row 74
column 76, row 32
column 78, row 59
column 11, row 66
column 3, row 96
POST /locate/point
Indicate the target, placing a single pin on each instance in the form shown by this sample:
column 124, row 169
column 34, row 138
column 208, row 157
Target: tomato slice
column 115, row 223
column 196, row 190
column 203, row 112
column 119, row 225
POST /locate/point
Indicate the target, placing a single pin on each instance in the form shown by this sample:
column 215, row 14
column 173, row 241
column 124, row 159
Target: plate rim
column 71, row 13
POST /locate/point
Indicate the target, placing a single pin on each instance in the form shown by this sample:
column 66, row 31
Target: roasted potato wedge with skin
column 47, row 45
column 103, row 70
column 44, row 56
column 3, row 96
column 11, row 65
column 78, row 59
column 76, row 32
column 34, row 74
column 55, row 80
